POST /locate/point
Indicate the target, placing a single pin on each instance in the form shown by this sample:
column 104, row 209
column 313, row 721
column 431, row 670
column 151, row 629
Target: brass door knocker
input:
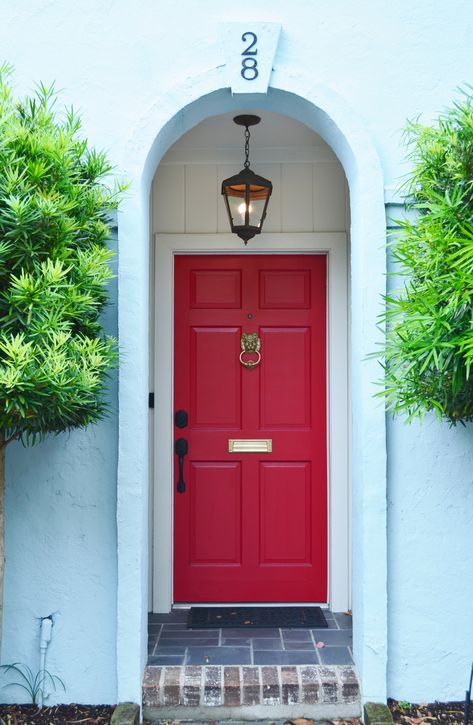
column 250, row 345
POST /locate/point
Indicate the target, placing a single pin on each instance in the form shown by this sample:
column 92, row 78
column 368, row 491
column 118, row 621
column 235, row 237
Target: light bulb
column 242, row 209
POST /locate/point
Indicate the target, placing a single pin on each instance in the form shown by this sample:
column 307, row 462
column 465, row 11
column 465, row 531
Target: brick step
column 246, row 692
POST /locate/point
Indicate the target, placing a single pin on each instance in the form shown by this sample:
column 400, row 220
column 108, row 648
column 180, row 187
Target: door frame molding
column 334, row 245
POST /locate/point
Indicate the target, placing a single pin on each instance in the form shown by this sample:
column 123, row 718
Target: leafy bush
column 429, row 343
column 54, row 265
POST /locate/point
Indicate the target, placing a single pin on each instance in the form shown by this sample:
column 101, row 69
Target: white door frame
column 334, row 245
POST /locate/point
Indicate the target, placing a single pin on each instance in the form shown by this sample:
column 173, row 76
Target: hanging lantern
column 246, row 194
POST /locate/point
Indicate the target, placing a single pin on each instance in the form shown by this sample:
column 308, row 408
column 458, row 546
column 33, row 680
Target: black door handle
column 181, row 449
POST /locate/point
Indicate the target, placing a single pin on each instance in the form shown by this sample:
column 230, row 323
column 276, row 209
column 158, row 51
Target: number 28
column 249, row 64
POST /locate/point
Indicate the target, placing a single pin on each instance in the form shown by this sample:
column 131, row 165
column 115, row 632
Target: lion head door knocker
column 250, row 345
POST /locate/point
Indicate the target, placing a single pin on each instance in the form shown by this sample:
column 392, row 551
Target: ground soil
column 56, row 715
column 404, row 713
column 434, row 713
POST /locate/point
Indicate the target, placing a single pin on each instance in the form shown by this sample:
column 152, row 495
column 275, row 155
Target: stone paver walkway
column 171, row 643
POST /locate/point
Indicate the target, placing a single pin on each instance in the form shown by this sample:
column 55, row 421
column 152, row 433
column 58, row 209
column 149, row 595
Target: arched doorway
column 294, row 96
column 308, row 216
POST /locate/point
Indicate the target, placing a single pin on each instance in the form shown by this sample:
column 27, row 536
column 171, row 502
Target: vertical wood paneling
column 168, row 200
column 273, row 217
column 306, row 197
column 329, row 198
column 297, row 198
column 201, row 198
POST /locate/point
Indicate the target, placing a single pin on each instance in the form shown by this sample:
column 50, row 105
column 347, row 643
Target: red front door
column 251, row 526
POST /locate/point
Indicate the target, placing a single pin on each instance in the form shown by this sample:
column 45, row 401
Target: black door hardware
column 181, row 419
column 181, row 449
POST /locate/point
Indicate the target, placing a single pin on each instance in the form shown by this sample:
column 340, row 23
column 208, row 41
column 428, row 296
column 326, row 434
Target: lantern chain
column 247, row 148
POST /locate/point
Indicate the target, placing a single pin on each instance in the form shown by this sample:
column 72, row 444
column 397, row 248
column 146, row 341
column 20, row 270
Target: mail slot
column 252, row 445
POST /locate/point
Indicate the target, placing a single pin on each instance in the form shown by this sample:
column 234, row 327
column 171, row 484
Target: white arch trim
column 293, row 94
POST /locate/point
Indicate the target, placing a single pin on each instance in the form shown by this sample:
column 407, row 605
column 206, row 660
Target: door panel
column 251, row 526
column 215, row 288
column 215, row 486
column 285, row 494
column 285, row 377
column 284, row 290
column 215, row 399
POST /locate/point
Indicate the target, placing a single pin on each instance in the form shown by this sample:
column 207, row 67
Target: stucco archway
column 332, row 118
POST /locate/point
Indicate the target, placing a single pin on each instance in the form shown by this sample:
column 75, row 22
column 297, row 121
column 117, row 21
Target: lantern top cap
column 246, row 177
column 247, row 120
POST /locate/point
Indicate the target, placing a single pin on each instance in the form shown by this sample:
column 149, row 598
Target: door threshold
column 188, row 605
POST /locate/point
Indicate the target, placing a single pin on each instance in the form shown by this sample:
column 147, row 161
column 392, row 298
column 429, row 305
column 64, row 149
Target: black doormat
column 255, row 617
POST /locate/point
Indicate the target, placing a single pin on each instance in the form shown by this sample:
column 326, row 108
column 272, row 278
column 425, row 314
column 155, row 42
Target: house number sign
column 249, row 51
column 249, row 65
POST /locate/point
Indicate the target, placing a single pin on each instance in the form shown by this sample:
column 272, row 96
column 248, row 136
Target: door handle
column 181, row 449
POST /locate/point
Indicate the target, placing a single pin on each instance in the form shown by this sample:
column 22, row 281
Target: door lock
column 181, row 419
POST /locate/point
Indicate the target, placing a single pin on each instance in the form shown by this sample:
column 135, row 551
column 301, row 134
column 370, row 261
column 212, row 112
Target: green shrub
column 54, row 266
column 429, row 341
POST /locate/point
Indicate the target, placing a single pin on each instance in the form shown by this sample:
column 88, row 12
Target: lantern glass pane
column 256, row 211
column 237, row 208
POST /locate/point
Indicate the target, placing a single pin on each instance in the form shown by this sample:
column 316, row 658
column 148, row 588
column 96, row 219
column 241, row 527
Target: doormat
column 255, row 617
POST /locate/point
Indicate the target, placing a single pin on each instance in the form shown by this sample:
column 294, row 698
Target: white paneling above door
column 296, row 198
column 201, row 197
column 307, row 197
column 168, row 206
column 309, row 186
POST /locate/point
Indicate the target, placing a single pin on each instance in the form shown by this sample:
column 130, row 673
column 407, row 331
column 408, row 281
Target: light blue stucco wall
column 430, row 559
column 430, row 549
column 117, row 61
column 61, row 553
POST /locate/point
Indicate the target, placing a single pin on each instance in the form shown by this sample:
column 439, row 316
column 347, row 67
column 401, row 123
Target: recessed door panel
column 285, row 521
column 215, row 376
column 285, row 377
column 215, row 539
column 250, row 519
column 283, row 289
column 215, row 289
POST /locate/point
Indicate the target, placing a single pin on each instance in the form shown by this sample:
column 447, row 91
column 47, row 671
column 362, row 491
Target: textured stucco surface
column 131, row 68
column 61, row 560
column 430, row 559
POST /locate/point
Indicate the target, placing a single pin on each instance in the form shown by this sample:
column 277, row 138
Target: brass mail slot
column 254, row 445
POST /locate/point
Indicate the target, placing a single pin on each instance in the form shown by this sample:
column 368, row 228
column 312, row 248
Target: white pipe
column 44, row 640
